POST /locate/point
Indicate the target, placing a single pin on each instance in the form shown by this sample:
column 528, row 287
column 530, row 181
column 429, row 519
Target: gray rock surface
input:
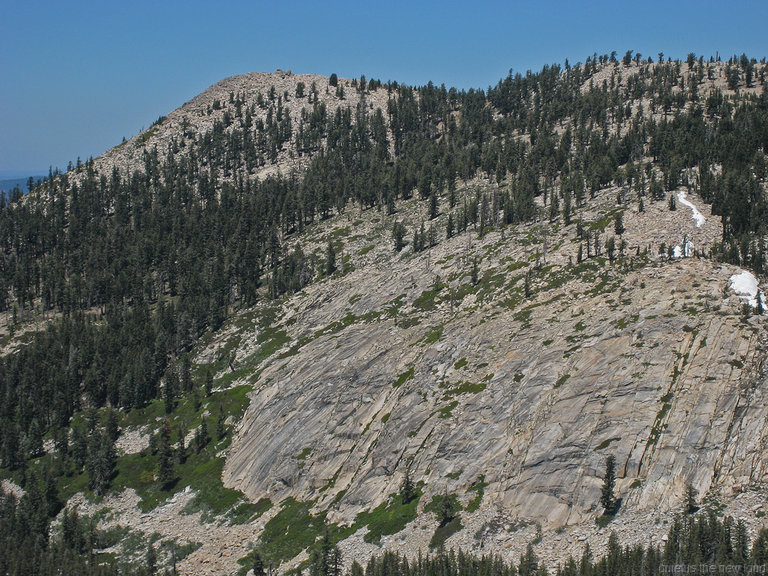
column 649, row 360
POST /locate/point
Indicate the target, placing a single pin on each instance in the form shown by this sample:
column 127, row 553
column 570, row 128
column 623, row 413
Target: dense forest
column 129, row 269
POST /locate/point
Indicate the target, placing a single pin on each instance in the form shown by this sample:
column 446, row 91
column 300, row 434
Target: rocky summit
column 303, row 308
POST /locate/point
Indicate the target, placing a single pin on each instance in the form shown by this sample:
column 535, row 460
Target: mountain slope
column 643, row 358
column 487, row 293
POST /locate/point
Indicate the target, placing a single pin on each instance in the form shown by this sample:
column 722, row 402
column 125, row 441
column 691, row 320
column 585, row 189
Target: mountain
column 302, row 307
column 7, row 185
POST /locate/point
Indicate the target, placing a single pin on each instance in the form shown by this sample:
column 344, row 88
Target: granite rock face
column 647, row 358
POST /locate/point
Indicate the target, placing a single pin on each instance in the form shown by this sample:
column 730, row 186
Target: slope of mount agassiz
column 305, row 313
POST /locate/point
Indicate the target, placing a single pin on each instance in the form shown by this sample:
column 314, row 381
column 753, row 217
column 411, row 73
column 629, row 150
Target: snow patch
column 744, row 285
column 686, row 251
column 697, row 216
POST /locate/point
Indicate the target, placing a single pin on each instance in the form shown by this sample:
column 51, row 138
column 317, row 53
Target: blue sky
column 76, row 76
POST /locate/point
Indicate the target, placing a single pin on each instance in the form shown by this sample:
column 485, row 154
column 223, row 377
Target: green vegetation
column 692, row 541
column 562, row 380
column 478, row 487
column 465, row 388
column 404, row 377
column 607, row 442
column 389, row 517
column 622, row 323
column 304, row 453
column 115, row 278
column 201, row 470
column 447, row 411
column 607, row 498
column 446, row 507
column 295, row 528
column 426, row 301
column 433, row 335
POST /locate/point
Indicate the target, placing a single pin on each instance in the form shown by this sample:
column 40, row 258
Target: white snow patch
column 744, row 285
column 686, row 251
column 697, row 216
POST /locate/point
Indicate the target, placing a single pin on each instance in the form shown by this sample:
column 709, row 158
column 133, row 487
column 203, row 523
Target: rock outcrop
column 650, row 359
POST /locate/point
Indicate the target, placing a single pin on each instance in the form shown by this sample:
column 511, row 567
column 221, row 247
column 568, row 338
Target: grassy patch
column 141, row 140
column 294, row 529
column 465, row 388
column 404, row 377
column 433, row 335
column 524, row 316
column 478, row 488
column 447, row 411
column 460, row 363
column 202, row 471
column 562, row 380
column 392, row 308
column 303, row 454
column 603, row 520
column 348, row 320
column 622, row 323
column 389, row 517
column 426, row 301
column 445, row 531
column 270, row 340
column 606, row 443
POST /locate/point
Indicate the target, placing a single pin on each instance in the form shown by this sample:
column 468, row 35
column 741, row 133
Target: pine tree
column 257, row 564
column 181, row 448
column 618, row 225
column 607, row 498
column 330, row 259
column 398, row 235
column 208, row 382
column 201, row 436
column 150, row 560
column 407, row 488
column 221, row 429
column 165, row 471
column 448, row 509
column 690, row 506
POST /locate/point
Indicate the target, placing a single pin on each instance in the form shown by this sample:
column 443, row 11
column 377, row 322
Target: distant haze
column 6, row 185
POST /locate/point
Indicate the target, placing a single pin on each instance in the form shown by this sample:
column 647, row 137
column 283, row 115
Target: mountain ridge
column 553, row 299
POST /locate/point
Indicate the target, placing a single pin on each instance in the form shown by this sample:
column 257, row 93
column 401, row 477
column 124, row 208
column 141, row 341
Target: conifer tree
column 330, row 259
column 165, row 469
column 607, row 498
